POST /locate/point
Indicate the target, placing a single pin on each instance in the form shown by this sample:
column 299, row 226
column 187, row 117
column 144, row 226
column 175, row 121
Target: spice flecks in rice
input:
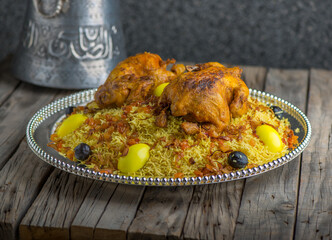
column 172, row 151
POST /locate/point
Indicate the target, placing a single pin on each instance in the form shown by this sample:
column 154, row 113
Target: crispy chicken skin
column 134, row 79
column 209, row 94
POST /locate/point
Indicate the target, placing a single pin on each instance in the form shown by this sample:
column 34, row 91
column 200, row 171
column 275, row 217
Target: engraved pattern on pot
column 75, row 49
column 94, row 43
column 31, row 35
column 85, row 43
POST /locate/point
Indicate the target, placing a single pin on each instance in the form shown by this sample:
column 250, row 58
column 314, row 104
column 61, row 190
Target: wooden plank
column 15, row 114
column 91, row 210
column 20, row 182
column 8, row 83
column 254, row 76
column 54, row 209
column 290, row 85
column 23, row 171
column 314, row 216
column 268, row 204
column 162, row 213
column 214, row 209
column 119, row 212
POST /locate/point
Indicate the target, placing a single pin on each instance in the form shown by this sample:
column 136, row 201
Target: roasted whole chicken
column 134, row 79
column 209, row 94
column 205, row 95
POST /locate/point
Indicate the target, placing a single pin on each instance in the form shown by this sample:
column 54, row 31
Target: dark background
column 274, row 33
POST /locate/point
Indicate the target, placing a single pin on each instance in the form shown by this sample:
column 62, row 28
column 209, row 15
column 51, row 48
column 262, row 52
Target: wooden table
column 38, row 201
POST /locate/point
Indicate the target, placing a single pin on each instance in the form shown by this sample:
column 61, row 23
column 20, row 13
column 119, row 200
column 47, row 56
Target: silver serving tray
column 41, row 126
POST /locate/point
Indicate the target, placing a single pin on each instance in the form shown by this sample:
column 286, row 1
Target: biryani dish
column 190, row 121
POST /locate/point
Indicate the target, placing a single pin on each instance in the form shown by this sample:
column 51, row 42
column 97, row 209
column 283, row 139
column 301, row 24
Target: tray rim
column 60, row 104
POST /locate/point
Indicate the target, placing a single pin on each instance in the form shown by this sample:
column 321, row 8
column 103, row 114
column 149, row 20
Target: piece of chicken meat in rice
column 209, row 94
column 134, row 79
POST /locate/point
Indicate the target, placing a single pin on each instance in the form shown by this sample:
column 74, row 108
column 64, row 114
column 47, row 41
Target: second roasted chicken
column 209, row 94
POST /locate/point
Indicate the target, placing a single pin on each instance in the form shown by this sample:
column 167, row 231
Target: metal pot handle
column 56, row 12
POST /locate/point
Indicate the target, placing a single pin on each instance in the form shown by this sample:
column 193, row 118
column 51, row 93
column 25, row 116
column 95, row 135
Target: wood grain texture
column 314, row 217
column 91, row 210
column 53, row 211
column 214, row 209
column 119, row 212
column 15, row 113
column 290, row 85
column 268, row 204
column 8, row 83
column 162, row 213
column 254, row 76
column 20, row 182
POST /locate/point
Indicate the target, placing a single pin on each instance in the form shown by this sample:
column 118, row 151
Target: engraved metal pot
column 71, row 44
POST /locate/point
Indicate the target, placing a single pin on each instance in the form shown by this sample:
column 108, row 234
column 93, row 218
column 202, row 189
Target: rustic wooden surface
column 291, row 202
column 274, row 194
column 314, row 217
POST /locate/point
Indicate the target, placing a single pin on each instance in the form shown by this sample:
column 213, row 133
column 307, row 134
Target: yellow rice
column 166, row 161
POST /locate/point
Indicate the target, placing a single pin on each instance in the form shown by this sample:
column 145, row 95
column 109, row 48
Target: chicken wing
column 209, row 94
column 134, row 79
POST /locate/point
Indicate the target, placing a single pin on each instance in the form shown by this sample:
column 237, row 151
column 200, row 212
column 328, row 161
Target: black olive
column 81, row 165
column 69, row 110
column 237, row 159
column 82, row 151
column 277, row 111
